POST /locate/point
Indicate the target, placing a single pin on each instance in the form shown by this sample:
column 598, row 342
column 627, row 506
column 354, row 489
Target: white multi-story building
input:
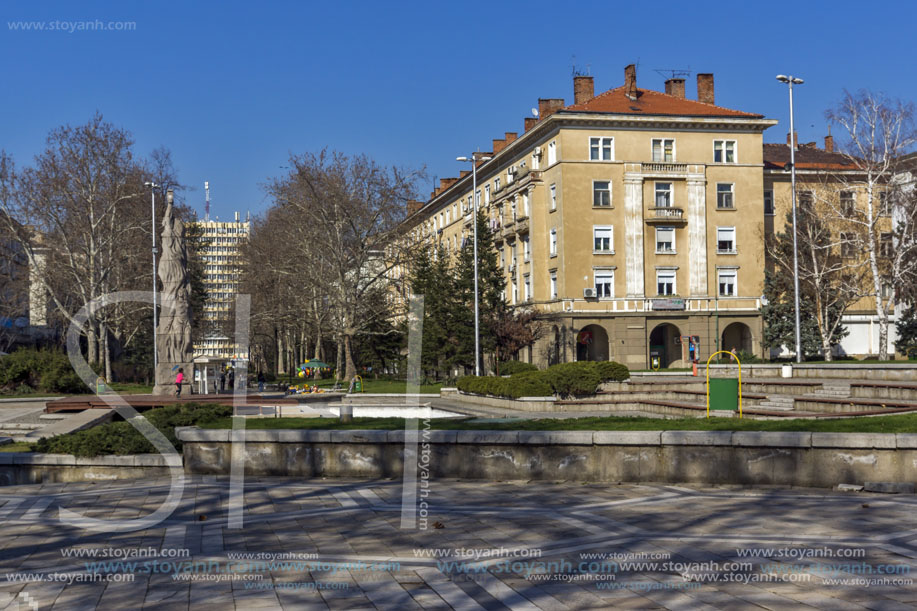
column 222, row 270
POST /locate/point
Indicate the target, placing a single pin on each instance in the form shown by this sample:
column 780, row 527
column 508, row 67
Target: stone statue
column 173, row 344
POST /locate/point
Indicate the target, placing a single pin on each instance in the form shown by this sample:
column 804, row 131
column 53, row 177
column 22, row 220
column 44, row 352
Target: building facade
column 634, row 217
column 832, row 183
column 221, row 256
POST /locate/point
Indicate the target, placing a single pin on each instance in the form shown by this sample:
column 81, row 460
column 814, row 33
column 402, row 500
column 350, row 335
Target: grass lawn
column 17, row 446
column 376, row 386
column 904, row 423
column 124, row 389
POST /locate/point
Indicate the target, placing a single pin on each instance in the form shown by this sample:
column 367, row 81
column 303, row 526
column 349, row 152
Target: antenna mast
column 207, row 204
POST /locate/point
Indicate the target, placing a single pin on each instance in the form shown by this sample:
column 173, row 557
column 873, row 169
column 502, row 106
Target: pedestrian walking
column 232, row 380
column 222, row 381
column 179, row 378
column 260, row 381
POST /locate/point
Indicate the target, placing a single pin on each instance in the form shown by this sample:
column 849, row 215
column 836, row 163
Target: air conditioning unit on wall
column 589, row 293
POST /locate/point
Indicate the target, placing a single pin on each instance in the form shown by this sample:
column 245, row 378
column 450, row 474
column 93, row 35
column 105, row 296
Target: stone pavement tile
column 79, row 595
column 821, row 601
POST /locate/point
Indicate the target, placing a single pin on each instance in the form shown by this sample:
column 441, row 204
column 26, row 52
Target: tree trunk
column 92, row 344
column 883, row 335
column 340, row 360
column 106, row 352
column 351, row 370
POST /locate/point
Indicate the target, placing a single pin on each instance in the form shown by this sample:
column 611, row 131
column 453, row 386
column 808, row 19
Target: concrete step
column 52, row 416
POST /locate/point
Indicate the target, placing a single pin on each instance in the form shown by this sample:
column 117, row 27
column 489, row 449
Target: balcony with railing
column 666, row 215
column 665, row 168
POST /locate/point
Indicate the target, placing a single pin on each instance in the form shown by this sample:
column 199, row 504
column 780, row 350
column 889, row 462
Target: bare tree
column 351, row 208
column 878, row 133
column 829, row 276
column 79, row 216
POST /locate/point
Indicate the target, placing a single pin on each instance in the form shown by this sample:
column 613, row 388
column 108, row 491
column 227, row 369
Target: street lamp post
column 475, row 157
column 153, row 186
column 790, row 81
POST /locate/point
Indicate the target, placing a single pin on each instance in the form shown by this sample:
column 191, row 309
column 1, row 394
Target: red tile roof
column 808, row 157
column 654, row 103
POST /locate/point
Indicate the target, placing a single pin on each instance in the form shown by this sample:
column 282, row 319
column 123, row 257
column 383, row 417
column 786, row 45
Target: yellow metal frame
column 708, row 379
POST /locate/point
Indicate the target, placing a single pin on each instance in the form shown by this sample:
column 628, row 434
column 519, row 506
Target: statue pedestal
column 165, row 379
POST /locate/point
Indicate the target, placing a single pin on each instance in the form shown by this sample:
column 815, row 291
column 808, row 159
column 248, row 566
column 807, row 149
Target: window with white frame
column 553, row 284
column 526, row 251
column 601, row 149
column 663, row 195
column 552, row 152
column 602, row 239
column 496, row 185
column 725, row 196
column 510, row 175
column 536, row 160
column 726, row 240
column 665, row 240
column 665, row 281
column 486, row 194
column 601, row 193
column 477, row 197
column 604, row 283
column 769, row 201
column 449, row 216
column 455, row 213
column 554, row 197
column 515, row 289
column 724, row 151
column 726, row 280
column 663, row 150
column 553, row 242
column 525, row 203
column 526, row 287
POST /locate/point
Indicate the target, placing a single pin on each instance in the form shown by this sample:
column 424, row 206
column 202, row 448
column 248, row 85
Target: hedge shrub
column 565, row 379
column 510, row 368
column 123, row 438
column 40, row 370
column 529, row 384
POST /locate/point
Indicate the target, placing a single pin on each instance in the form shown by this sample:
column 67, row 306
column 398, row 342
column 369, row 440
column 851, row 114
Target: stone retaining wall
column 718, row 457
column 26, row 468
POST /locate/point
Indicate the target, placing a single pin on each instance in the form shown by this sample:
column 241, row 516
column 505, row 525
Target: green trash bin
column 724, row 394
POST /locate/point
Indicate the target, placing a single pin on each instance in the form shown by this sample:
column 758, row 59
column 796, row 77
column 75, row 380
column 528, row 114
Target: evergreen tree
column 432, row 278
column 491, row 285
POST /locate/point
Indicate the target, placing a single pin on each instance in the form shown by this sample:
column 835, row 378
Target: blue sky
column 232, row 88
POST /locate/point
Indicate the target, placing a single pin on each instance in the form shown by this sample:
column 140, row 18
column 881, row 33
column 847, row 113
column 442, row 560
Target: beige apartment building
column 830, row 181
column 635, row 217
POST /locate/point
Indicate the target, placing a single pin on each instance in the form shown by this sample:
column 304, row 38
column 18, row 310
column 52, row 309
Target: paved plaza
column 519, row 545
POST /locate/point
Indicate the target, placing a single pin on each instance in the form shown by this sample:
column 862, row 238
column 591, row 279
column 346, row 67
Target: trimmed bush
column 511, row 368
column 123, row 438
column 565, row 379
column 611, row 371
column 41, row 370
column 580, row 378
column 529, row 384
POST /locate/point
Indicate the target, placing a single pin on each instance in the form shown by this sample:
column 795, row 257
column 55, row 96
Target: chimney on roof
column 548, row 106
column 675, row 87
column 583, row 89
column 464, row 173
column 630, row 81
column 529, row 123
column 499, row 145
column 792, row 140
column 829, row 143
column 445, row 183
column 705, row 88
column 509, row 137
column 413, row 206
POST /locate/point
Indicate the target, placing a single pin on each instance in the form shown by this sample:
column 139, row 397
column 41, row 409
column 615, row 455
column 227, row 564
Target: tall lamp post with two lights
column 790, row 81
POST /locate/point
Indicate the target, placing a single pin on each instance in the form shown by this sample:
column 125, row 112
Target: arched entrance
column 665, row 343
column 737, row 336
column 592, row 344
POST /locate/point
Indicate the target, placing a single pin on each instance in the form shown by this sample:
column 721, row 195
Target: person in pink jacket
column 178, row 380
